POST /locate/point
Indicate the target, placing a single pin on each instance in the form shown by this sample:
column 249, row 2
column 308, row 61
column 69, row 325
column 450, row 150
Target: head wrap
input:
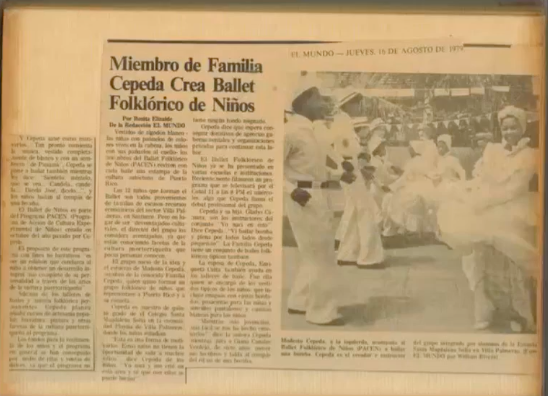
column 374, row 143
column 446, row 139
column 515, row 112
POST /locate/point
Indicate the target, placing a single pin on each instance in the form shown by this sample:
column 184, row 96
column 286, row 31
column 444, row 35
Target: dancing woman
column 449, row 173
column 384, row 175
column 493, row 220
column 414, row 190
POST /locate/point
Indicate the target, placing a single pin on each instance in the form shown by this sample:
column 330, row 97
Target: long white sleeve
column 515, row 183
column 288, row 186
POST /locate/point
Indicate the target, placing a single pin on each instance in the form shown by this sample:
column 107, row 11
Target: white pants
column 473, row 268
column 383, row 201
column 315, row 288
column 345, row 218
column 358, row 233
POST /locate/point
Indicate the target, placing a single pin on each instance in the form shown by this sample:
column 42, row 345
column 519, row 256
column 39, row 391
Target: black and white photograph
column 410, row 203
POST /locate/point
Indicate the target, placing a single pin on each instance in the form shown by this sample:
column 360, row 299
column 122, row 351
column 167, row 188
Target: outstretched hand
column 347, row 166
column 368, row 173
column 348, row 177
column 300, row 196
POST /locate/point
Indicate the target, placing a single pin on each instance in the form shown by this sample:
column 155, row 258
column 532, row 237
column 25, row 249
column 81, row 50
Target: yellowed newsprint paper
column 219, row 218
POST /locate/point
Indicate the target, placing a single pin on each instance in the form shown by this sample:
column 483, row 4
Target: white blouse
column 504, row 175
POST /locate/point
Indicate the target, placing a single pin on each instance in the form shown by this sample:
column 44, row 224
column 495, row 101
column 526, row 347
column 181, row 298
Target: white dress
column 448, row 178
column 383, row 176
column 496, row 207
column 358, row 233
column 414, row 192
column 494, row 218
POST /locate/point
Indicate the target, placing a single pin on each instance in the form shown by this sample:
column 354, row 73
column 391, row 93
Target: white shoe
column 482, row 325
column 516, row 327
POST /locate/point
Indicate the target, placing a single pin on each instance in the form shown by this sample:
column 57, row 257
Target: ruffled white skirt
column 508, row 227
column 410, row 206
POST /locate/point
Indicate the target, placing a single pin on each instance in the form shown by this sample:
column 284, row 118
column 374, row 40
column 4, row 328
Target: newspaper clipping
column 358, row 206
